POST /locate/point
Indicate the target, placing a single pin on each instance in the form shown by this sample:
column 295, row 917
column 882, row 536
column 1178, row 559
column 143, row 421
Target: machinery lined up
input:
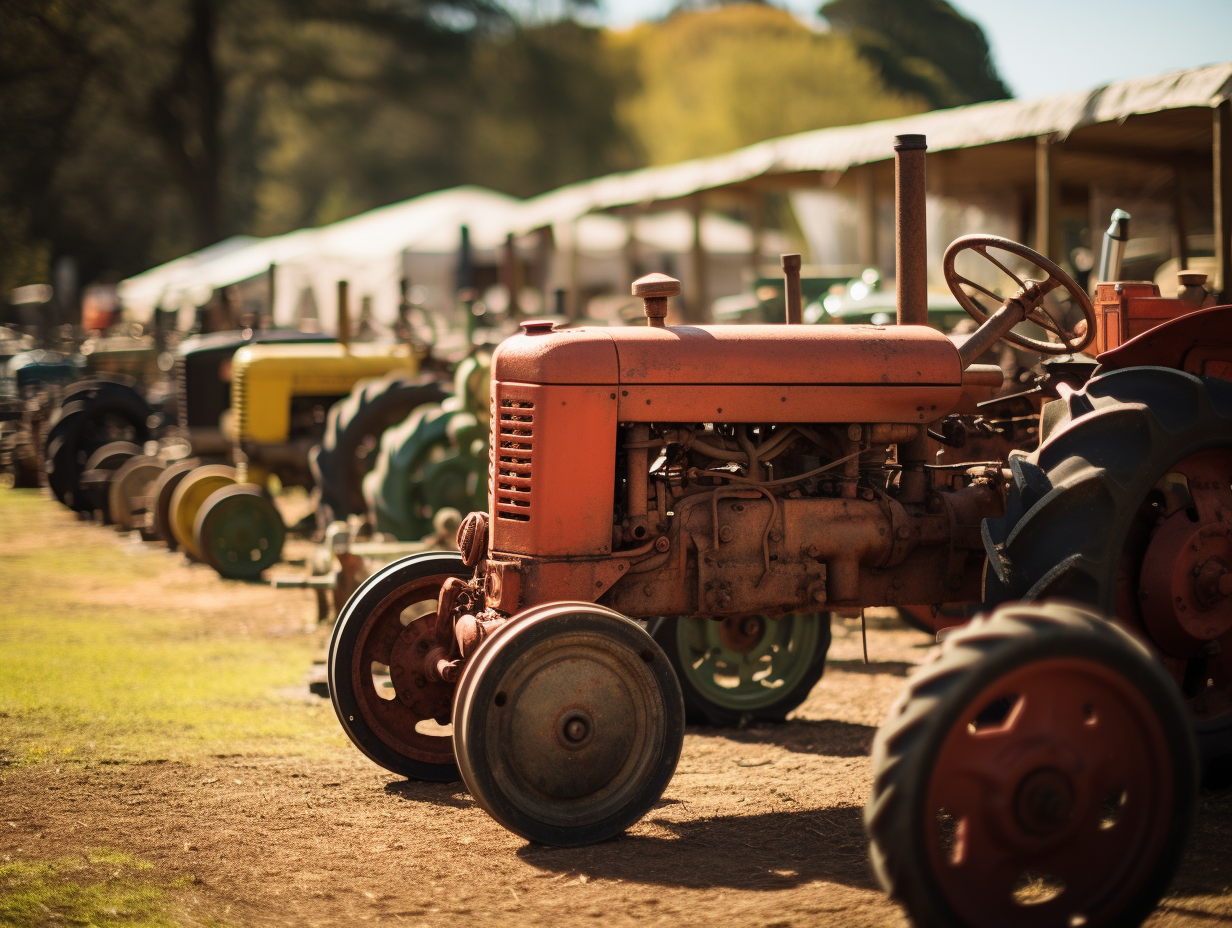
column 746, row 474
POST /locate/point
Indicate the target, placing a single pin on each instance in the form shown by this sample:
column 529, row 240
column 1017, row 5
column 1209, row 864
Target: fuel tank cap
column 537, row 326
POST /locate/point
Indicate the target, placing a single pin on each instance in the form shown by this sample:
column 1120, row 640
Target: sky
column 1061, row 44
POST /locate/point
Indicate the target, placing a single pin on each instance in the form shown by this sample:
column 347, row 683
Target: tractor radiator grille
column 239, row 402
column 512, row 455
column 181, row 391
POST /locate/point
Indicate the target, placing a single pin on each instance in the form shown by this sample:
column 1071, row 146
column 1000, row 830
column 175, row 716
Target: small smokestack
column 344, row 316
column 791, row 288
column 1112, row 254
column 911, row 232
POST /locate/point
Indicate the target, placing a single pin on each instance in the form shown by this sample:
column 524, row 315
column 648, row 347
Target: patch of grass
column 103, row 888
column 140, row 682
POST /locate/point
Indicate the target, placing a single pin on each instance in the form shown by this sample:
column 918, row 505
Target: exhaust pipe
column 910, row 230
column 1112, row 254
column 791, row 288
column 344, row 317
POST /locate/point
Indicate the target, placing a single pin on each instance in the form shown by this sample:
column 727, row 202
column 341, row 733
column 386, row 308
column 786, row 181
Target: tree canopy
column 925, row 48
column 133, row 132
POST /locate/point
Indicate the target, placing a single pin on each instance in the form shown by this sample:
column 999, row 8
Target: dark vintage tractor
column 723, row 472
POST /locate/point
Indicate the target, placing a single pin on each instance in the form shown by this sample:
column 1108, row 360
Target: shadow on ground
column 769, row 851
column 827, row 738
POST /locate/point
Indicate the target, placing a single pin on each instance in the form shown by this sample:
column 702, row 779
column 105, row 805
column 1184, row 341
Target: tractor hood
column 731, row 355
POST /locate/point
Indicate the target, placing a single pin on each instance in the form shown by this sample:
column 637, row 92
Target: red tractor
column 696, row 471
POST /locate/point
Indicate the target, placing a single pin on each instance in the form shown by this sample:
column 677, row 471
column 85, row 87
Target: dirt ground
column 760, row 827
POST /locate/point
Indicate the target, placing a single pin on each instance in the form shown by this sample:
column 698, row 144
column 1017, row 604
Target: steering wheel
column 1025, row 305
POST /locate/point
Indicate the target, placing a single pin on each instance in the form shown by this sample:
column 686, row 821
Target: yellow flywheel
column 188, row 497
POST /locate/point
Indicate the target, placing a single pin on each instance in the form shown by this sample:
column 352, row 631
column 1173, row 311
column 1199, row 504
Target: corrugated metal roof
column 842, row 147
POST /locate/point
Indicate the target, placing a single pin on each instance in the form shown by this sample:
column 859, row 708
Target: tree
column 718, row 79
column 921, row 47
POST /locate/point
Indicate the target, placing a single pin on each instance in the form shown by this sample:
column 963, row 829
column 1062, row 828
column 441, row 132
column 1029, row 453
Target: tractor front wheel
column 568, row 724
column 1040, row 770
column 389, row 709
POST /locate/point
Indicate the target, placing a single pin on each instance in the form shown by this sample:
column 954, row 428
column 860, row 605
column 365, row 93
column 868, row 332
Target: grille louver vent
column 513, row 453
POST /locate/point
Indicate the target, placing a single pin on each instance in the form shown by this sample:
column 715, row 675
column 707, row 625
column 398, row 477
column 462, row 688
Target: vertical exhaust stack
column 910, row 230
column 1112, row 254
column 344, row 317
column 791, row 288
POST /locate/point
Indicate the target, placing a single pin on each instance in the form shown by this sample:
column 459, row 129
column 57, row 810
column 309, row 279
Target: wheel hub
column 584, row 743
column 1044, row 802
column 426, row 698
column 1185, row 586
column 742, row 633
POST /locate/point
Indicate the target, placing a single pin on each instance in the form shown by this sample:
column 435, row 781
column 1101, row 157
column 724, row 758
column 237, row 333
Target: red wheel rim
column 1164, row 587
column 1071, row 785
column 385, row 640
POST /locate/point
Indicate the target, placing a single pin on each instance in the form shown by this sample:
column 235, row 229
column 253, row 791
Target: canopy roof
column 843, row 147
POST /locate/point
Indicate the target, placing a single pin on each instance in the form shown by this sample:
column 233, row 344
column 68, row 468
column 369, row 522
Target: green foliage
column 921, row 47
column 138, row 130
column 83, row 678
column 716, row 80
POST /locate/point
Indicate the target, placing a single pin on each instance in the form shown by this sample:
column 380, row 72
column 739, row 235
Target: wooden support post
column 575, row 273
column 696, row 305
column 629, row 256
column 511, row 274
column 866, row 228
column 1221, row 151
column 1180, row 245
column 1047, row 237
column 757, row 224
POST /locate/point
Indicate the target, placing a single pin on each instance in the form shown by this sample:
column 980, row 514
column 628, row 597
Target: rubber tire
column 907, row 744
column 1072, row 502
column 253, row 499
column 71, row 439
column 164, row 488
column 341, row 650
column 483, row 674
column 372, row 407
column 700, row 710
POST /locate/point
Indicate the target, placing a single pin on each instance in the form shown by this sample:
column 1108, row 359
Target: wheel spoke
column 983, row 250
column 980, row 287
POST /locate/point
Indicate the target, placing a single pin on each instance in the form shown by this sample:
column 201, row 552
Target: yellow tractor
column 280, row 397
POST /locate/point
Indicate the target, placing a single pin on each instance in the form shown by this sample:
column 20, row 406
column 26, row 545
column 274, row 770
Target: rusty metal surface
column 1198, row 341
column 1185, row 584
column 910, row 230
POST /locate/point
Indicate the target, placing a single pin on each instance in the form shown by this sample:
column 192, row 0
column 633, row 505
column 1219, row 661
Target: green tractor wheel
column 745, row 667
column 239, row 532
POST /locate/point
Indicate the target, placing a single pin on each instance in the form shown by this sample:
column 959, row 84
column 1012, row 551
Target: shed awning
column 843, row 147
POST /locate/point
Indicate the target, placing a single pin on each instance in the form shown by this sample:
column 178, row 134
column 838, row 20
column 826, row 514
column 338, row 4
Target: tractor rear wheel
column 568, row 724
column 95, row 414
column 1039, row 770
column 745, row 668
column 353, row 432
column 388, row 709
column 1123, row 507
